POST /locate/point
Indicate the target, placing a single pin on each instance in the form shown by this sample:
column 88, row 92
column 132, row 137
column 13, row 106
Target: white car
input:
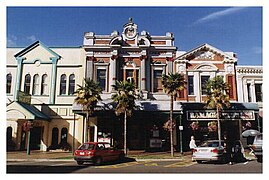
column 209, row 151
column 257, row 147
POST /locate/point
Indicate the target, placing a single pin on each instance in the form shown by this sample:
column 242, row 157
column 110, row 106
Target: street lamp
column 180, row 127
column 29, row 126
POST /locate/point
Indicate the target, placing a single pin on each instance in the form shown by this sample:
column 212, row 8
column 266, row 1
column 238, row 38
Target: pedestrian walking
column 192, row 144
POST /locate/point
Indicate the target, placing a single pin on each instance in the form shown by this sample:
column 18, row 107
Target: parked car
column 209, row 151
column 257, row 147
column 97, row 152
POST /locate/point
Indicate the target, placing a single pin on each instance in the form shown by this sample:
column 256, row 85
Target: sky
column 237, row 29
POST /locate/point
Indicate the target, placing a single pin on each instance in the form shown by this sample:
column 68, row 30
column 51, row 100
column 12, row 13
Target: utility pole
column 29, row 127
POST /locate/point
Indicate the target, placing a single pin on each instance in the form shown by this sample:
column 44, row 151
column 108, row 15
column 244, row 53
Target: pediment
column 206, row 52
column 37, row 51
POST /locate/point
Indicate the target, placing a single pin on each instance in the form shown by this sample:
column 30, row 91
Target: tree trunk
column 125, row 133
column 171, row 126
column 219, row 130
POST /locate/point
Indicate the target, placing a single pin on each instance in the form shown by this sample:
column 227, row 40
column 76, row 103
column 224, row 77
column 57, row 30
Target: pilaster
column 53, row 80
column 18, row 78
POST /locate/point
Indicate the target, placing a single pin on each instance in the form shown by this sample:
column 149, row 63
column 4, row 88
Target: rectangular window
column 258, row 92
column 132, row 75
column 204, row 79
column 101, row 78
column 190, row 85
column 231, row 89
column 157, row 81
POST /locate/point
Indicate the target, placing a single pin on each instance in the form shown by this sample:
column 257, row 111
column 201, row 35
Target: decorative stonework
column 204, row 55
column 254, row 70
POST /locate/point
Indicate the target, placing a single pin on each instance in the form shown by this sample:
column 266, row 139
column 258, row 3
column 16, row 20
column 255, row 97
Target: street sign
column 24, row 98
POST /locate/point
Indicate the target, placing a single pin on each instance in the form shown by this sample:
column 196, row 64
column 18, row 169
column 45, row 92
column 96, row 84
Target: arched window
column 36, row 84
column 44, row 85
column 27, row 83
column 8, row 85
column 63, row 84
column 64, row 136
column 71, row 88
column 54, row 136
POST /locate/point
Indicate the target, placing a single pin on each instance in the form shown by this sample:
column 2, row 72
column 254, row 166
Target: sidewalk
column 67, row 156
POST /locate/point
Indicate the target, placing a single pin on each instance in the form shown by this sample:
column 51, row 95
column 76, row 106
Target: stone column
column 253, row 92
column 143, row 73
column 112, row 72
column 196, row 84
column 245, row 91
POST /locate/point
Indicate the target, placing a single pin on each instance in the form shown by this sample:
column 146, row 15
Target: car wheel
column 199, row 161
column 80, row 162
column 97, row 161
column 121, row 157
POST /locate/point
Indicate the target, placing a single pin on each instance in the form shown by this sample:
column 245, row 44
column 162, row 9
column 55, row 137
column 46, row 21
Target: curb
column 72, row 160
column 140, row 160
column 38, row 160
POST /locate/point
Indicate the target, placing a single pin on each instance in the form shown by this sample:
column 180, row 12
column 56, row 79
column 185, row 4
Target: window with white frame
column 258, row 92
column 101, row 78
column 157, row 80
column 35, row 84
column 27, row 83
column 132, row 75
column 204, row 79
column 44, row 84
column 190, row 85
column 63, row 84
column 8, row 83
column 71, row 87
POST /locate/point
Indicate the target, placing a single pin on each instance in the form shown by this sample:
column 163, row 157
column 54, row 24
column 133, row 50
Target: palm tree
column 172, row 84
column 217, row 98
column 88, row 95
column 125, row 99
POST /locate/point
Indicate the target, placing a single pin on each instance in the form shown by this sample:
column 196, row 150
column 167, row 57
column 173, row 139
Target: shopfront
column 144, row 128
column 202, row 123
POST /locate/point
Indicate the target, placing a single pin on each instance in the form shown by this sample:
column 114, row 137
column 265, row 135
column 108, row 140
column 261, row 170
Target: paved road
column 185, row 166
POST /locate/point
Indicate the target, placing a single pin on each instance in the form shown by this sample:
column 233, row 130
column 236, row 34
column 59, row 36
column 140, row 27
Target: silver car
column 257, row 147
column 209, row 151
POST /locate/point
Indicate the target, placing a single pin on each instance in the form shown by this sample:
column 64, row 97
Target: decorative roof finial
column 130, row 20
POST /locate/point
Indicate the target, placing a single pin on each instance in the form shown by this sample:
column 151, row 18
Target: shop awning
column 234, row 106
column 25, row 111
column 140, row 106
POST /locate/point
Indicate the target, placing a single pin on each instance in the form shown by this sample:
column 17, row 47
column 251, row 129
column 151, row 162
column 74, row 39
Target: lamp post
column 180, row 127
column 29, row 127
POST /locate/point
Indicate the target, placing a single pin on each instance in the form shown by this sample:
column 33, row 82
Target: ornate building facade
column 41, row 81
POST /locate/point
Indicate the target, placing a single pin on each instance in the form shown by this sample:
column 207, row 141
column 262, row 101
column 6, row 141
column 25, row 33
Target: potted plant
column 212, row 126
column 194, row 126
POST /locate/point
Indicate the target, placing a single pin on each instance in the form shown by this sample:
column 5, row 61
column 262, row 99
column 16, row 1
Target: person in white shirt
column 192, row 144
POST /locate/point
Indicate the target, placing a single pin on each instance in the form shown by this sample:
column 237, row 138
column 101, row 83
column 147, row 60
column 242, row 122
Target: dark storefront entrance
column 200, row 122
column 144, row 130
column 35, row 140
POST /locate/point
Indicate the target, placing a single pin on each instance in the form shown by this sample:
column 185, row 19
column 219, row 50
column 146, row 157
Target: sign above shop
column 225, row 115
column 24, row 98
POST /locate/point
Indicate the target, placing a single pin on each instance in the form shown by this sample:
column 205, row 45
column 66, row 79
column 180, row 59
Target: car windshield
column 259, row 137
column 211, row 144
column 86, row 147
